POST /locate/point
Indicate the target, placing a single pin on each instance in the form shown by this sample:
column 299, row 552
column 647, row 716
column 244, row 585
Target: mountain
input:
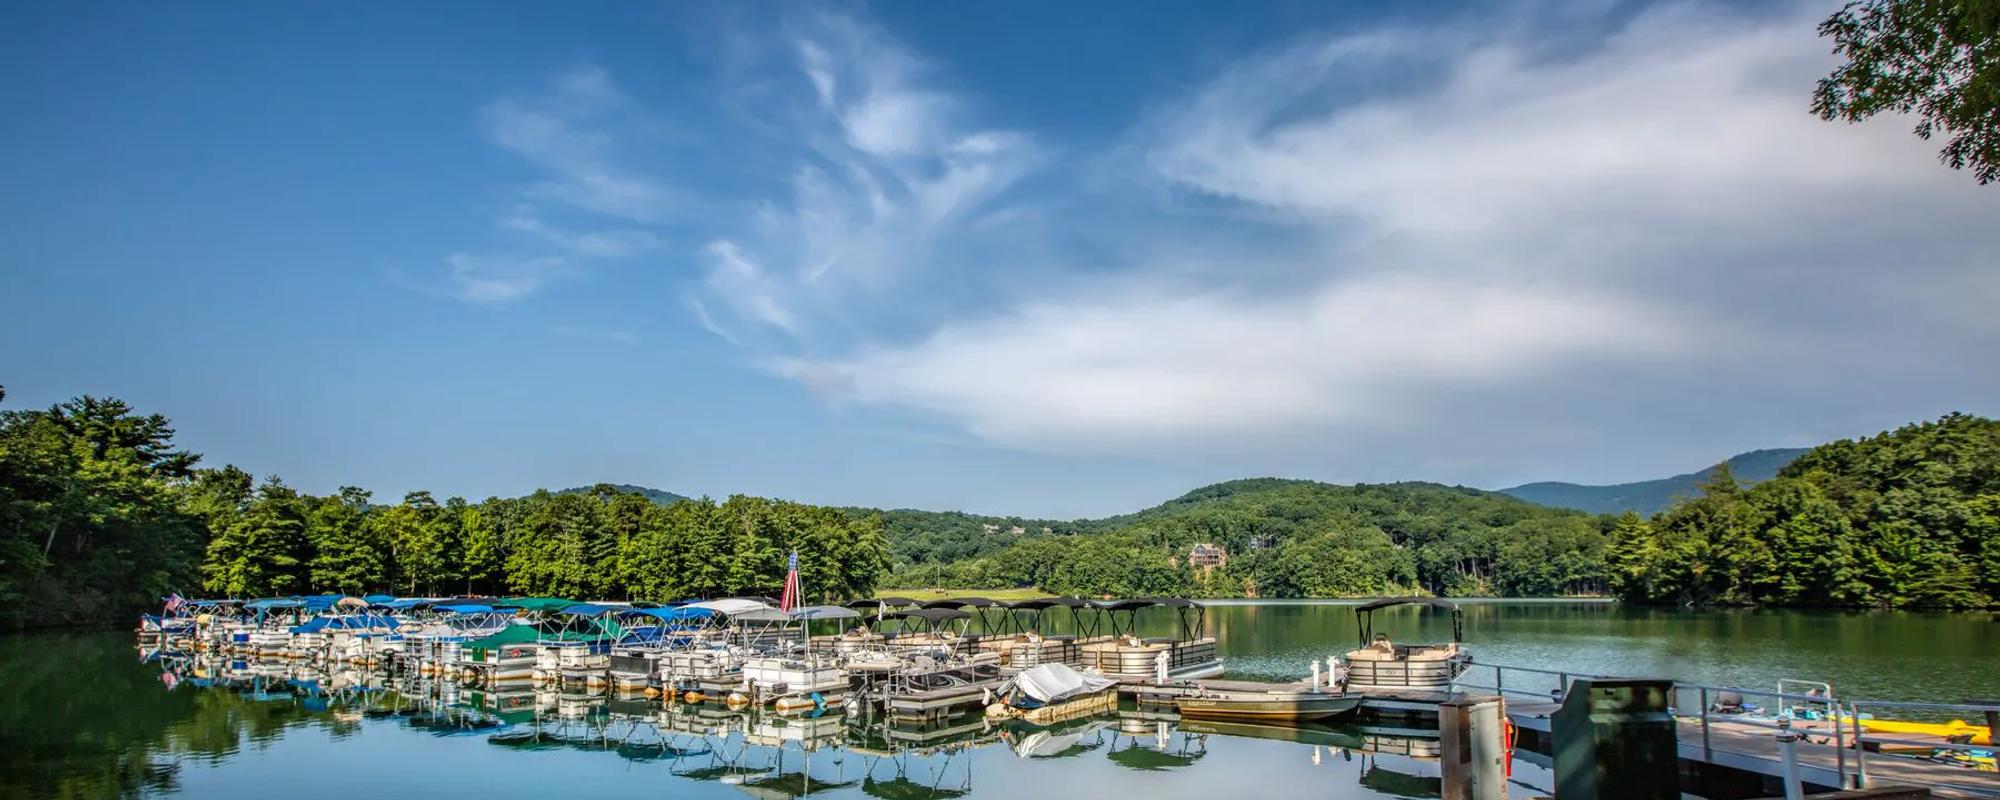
column 1649, row 497
column 658, row 496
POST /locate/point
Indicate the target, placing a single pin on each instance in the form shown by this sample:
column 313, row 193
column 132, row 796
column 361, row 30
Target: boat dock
column 1714, row 749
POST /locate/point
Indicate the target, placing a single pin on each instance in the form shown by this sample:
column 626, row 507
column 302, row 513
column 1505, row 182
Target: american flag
column 790, row 599
column 174, row 602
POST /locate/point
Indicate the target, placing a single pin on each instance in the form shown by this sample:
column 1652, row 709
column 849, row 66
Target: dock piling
column 1788, row 755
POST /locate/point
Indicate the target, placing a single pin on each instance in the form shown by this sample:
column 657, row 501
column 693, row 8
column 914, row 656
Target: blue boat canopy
column 274, row 602
column 320, row 602
column 397, row 605
column 465, row 608
column 378, row 598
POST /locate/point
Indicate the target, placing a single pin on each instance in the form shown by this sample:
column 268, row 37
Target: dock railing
column 1789, row 716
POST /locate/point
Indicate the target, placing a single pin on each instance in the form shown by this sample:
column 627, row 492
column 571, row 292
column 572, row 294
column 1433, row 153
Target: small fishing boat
column 1298, row 704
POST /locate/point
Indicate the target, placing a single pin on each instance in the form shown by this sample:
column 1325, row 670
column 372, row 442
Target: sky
column 1046, row 259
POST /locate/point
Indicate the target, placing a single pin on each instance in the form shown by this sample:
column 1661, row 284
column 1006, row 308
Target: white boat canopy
column 730, row 607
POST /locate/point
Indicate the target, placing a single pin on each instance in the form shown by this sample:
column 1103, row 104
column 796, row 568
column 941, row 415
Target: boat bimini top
column 1364, row 614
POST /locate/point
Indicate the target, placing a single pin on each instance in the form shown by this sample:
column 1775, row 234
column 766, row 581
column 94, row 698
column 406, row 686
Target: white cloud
column 1652, row 221
column 498, row 280
column 887, row 170
column 609, row 243
column 1147, row 367
column 565, row 131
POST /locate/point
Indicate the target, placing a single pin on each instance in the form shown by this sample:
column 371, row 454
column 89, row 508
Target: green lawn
column 940, row 594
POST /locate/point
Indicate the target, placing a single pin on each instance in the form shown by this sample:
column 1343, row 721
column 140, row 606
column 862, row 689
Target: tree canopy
column 1936, row 59
column 100, row 516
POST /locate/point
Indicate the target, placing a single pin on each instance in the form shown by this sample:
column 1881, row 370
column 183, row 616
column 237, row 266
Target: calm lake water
column 83, row 715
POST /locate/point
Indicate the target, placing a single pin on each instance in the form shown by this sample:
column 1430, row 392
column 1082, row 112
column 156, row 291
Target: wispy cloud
column 611, row 243
column 567, row 130
column 601, row 334
column 563, row 130
column 498, row 280
column 1656, row 210
column 889, row 167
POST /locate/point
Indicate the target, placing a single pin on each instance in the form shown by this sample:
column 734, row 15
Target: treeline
column 1292, row 538
column 100, row 516
column 1908, row 518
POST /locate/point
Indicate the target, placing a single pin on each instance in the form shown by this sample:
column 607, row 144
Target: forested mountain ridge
column 1651, row 497
column 101, row 514
column 658, row 496
column 1909, row 517
column 1301, row 538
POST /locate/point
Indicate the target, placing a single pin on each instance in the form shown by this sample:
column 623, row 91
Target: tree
column 1938, row 59
column 264, row 552
column 345, row 557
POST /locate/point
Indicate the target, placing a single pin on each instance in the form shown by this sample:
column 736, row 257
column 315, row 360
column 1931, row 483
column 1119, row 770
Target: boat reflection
column 767, row 754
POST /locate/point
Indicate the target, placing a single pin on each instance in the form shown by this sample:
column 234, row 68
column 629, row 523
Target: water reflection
column 85, row 720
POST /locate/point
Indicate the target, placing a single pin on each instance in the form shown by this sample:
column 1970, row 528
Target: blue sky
column 1022, row 258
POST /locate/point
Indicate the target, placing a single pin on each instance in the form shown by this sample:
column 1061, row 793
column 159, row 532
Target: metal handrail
column 1843, row 714
column 1928, row 706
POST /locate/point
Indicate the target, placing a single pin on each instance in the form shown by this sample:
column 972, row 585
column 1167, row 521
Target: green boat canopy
column 512, row 634
column 539, row 604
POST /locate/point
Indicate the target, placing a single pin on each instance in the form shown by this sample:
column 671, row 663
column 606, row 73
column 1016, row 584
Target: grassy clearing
column 926, row 595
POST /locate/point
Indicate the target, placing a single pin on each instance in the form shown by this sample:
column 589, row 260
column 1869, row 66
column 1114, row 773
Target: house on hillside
column 1205, row 555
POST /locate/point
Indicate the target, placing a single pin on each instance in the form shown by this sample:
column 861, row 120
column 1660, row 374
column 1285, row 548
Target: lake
column 84, row 716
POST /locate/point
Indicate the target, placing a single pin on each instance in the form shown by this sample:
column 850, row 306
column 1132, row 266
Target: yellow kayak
column 1956, row 728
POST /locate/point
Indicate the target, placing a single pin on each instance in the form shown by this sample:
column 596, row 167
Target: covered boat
column 1052, row 693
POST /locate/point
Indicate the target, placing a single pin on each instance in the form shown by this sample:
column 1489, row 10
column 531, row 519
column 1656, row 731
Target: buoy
column 736, row 700
column 693, row 697
column 787, row 705
column 652, row 692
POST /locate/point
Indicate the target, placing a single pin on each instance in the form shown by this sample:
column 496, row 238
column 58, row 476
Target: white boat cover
column 729, row 607
column 1052, row 683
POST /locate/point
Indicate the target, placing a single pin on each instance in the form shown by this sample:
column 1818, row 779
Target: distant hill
column 658, row 496
column 1649, row 497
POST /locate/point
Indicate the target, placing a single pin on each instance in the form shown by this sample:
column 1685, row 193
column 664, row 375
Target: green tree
column 345, row 558
column 1936, row 59
column 266, row 551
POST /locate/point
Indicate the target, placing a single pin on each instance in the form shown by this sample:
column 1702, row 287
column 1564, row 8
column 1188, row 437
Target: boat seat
column 1158, row 640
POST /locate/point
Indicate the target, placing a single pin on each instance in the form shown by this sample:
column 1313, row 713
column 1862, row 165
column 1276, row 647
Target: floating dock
column 1714, row 749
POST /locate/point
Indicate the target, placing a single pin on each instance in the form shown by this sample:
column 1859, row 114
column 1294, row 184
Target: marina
column 917, row 674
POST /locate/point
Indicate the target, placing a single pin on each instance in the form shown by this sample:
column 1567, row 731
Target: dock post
column 1788, row 756
column 1316, row 683
column 1473, row 750
column 1707, row 745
